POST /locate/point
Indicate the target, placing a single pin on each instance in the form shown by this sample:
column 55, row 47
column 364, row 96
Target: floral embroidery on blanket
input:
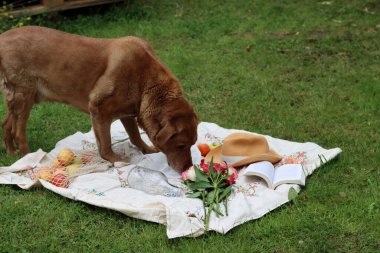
column 198, row 213
column 95, row 192
column 247, row 190
column 86, row 145
column 123, row 182
column 213, row 140
column 296, row 158
column 29, row 173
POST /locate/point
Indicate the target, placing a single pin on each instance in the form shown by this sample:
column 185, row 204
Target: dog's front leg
column 102, row 126
column 130, row 126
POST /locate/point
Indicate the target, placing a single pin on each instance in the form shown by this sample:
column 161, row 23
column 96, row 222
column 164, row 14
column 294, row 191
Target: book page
column 289, row 173
column 265, row 170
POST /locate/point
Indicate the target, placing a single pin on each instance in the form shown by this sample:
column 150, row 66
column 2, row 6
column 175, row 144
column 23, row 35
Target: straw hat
column 241, row 149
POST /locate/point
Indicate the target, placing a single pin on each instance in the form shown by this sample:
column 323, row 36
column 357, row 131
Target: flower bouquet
column 212, row 183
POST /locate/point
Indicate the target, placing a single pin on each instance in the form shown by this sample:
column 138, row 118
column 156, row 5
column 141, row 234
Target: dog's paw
column 122, row 163
column 150, row 150
column 23, row 150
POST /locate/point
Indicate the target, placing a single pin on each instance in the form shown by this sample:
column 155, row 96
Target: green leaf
column 200, row 185
column 218, row 212
column 225, row 206
column 292, row 194
column 222, row 184
column 225, row 193
column 219, row 175
column 225, row 176
column 194, row 194
column 210, row 197
column 217, row 200
column 199, row 175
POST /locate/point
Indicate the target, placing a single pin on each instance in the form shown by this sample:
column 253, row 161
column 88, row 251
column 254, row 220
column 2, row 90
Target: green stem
column 212, row 181
column 204, row 204
column 208, row 215
column 216, row 198
column 225, row 206
column 218, row 174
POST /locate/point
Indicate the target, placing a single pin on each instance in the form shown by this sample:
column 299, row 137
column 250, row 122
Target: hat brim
column 270, row 156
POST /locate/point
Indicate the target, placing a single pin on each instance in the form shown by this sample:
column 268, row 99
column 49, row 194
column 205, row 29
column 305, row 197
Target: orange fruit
column 204, row 148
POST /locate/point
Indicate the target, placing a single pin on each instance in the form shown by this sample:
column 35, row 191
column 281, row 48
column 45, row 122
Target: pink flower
column 205, row 167
column 231, row 170
column 232, row 178
column 219, row 167
column 188, row 174
column 183, row 176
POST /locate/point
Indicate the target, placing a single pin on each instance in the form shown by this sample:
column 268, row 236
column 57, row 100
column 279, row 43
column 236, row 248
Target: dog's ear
column 165, row 134
column 197, row 119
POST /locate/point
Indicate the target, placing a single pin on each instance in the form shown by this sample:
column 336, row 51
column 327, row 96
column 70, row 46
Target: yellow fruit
column 44, row 173
column 66, row 156
column 213, row 146
column 72, row 169
column 77, row 160
column 59, row 170
column 56, row 164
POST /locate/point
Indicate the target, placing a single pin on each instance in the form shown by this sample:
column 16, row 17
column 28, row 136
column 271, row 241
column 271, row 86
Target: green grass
column 296, row 70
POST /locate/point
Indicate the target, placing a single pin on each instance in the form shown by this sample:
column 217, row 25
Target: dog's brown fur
column 107, row 78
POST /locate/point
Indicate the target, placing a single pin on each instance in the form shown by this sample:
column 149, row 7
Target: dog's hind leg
column 130, row 126
column 19, row 106
column 20, row 129
column 7, row 125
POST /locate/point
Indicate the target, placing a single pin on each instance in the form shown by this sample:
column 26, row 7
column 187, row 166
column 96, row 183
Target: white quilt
column 154, row 197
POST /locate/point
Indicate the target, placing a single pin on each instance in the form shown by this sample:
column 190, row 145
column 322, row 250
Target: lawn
column 296, row 70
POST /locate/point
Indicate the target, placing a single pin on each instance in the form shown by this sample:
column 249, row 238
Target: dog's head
column 177, row 133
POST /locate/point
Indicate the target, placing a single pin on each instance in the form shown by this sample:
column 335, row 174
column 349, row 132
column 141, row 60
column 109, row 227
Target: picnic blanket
column 149, row 189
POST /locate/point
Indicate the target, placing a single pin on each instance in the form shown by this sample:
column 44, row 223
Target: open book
column 285, row 174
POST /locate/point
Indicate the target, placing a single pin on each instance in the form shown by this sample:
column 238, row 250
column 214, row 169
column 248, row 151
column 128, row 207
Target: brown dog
column 107, row 78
